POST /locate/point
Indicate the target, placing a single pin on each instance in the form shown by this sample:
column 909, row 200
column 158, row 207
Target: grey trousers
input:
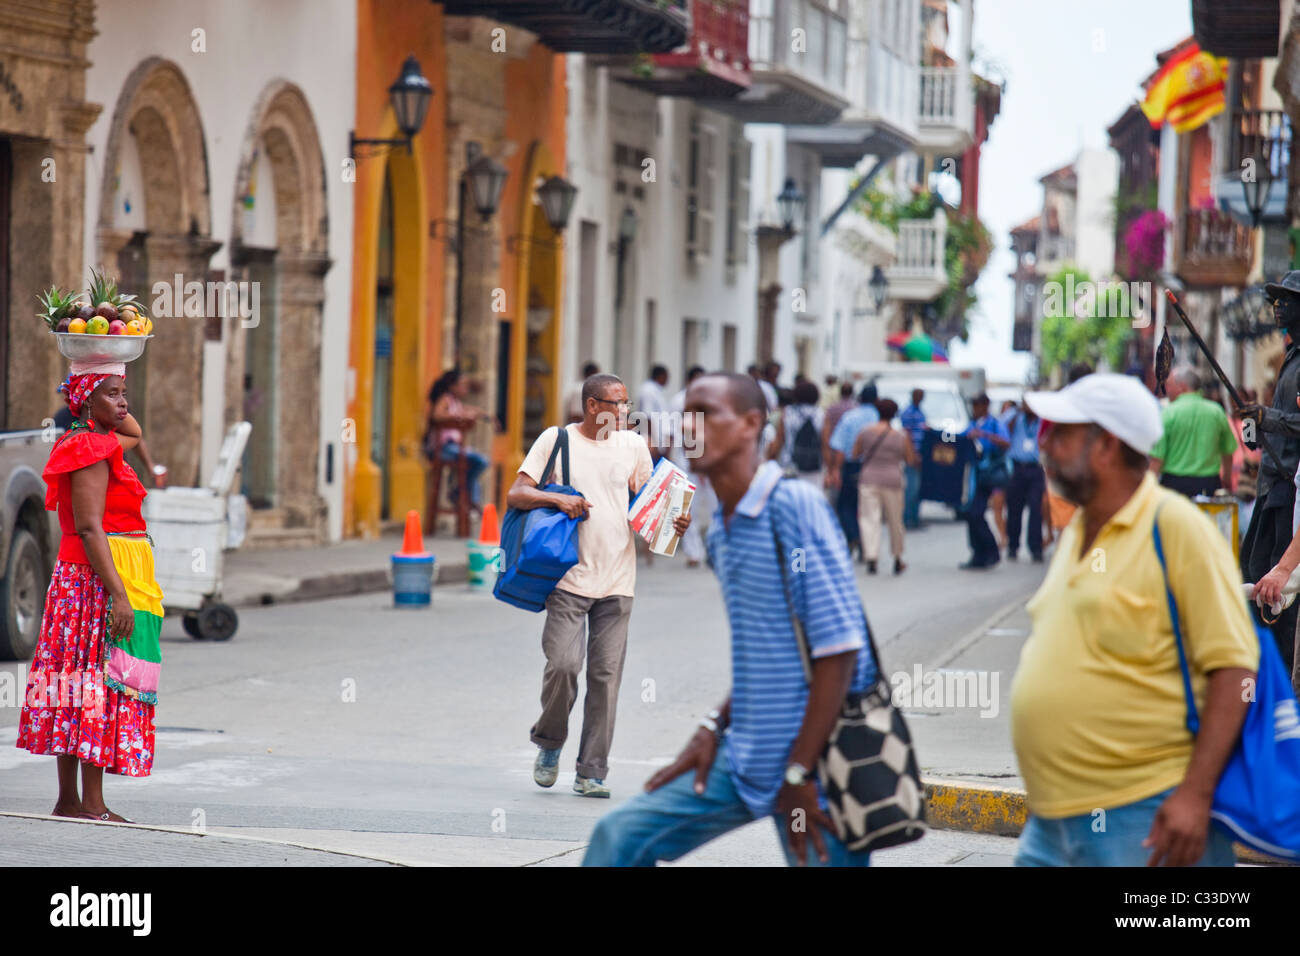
column 603, row 621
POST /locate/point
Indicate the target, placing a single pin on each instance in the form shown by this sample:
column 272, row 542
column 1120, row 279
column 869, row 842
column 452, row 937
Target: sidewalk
column 279, row 575
column 32, row 840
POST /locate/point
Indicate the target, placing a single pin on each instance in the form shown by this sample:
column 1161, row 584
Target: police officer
column 1269, row 531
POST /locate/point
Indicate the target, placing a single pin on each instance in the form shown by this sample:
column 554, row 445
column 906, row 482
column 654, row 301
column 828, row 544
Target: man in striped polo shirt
column 753, row 756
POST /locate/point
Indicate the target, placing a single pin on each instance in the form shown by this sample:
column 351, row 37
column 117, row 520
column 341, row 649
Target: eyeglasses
column 622, row 406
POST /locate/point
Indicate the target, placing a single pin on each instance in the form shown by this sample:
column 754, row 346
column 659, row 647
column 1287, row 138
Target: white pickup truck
column 29, row 539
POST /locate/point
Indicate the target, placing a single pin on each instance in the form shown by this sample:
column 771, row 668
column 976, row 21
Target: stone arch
column 158, row 109
column 156, row 105
column 279, row 357
column 283, row 124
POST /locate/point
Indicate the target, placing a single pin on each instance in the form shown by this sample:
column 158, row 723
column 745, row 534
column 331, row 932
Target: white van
column 944, row 406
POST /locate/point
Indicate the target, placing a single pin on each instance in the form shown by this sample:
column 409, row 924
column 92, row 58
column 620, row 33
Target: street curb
column 974, row 807
column 182, row 831
column 347, row 584
column 1001, row 811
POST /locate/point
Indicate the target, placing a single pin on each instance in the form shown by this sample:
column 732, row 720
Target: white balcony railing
column 821, row 59
column 939, row 104
column 918, row 272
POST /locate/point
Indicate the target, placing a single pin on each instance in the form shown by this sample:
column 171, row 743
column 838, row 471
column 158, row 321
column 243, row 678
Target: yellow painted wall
column 387, row 32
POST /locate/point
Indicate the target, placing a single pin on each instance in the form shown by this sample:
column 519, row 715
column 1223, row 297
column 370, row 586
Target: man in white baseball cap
column 1097, row 706
column 1120, row 404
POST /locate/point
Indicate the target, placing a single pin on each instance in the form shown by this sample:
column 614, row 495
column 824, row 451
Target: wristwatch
column 710, row 721
column 796, row 775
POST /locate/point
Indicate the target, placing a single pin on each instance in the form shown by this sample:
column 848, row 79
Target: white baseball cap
column 1120, row 404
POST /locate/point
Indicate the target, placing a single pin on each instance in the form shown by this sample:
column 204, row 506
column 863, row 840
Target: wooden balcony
column 1214, row 250
column 589, row 26
column 1261, row 137
column 713, row 63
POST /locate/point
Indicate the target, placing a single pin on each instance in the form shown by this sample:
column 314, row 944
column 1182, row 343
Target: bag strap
column 1193, row 721
column 872, row 450
column 560, row 448
column 800, row 635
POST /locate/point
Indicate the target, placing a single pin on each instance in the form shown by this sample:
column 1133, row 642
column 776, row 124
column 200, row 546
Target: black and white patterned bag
column 868, row 770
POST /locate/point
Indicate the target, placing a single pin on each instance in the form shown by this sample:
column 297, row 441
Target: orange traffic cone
column 489, row 531
column 412, row 540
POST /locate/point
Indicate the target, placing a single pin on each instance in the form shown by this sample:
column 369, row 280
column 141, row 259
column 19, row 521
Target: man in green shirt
column 1194, row 455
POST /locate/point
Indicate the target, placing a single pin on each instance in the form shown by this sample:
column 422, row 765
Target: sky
column 1071, row 69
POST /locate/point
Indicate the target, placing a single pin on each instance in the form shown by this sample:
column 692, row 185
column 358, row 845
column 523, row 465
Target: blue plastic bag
column 1258, row 796
column 538, row 545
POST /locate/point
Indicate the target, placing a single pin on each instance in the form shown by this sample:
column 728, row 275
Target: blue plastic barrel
column 412, row 580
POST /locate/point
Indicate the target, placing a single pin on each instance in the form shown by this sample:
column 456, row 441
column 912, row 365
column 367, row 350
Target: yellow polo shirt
column 1097, row 706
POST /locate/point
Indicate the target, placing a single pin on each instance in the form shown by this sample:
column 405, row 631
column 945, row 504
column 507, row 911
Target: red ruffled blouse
column 79, row 449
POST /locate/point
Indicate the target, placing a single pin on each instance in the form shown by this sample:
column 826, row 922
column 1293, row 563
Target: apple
column 97, row 326
column 117, row 327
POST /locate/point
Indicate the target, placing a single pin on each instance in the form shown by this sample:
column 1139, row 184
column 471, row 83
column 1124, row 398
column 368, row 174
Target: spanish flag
column 1187, row 90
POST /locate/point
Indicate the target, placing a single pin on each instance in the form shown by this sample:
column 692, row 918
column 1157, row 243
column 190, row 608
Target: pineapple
column 102, row 292
column 56, row 306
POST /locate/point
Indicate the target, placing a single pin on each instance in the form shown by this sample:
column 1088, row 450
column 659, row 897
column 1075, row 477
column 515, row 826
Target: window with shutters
column 738, row 158
column 701, row 189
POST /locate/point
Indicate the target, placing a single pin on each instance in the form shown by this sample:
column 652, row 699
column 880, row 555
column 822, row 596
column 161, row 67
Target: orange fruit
column 77, row 325
column 133, row 328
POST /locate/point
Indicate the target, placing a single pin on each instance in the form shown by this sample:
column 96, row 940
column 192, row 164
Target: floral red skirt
column 67, row 708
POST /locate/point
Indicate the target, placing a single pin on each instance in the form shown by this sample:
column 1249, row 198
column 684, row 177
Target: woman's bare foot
column 67, row 810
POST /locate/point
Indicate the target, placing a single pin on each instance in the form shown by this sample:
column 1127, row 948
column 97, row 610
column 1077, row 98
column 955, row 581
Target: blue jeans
column 475, row 465
column 670, row 822
column 846, row 502
column 1081, row 841
column 911, row 497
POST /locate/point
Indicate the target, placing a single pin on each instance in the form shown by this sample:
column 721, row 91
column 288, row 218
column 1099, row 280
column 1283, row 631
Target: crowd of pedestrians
column 825, row 474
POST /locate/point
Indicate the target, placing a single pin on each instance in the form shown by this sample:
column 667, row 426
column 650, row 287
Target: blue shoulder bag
column 538, row 545
column 1258, row 796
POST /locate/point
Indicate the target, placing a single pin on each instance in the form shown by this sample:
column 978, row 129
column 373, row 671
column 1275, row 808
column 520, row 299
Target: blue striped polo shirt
column 768, row 688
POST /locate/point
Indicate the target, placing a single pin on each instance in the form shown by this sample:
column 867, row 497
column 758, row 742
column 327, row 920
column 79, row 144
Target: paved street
column 402, row 735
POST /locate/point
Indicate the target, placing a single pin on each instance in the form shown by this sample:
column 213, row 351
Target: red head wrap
column 78, row 388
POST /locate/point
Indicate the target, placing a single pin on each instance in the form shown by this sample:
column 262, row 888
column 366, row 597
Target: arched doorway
column 154, row 224
column 278, row 259
column 389, row 333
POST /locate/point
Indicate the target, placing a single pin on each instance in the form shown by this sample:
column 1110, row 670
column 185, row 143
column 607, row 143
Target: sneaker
column 590, row 786
column 546, row 767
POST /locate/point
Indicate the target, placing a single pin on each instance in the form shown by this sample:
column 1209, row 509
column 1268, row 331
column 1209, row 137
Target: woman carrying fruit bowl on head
column 94, row 677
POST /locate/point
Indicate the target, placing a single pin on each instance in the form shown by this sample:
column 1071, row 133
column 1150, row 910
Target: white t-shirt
column 604, row 472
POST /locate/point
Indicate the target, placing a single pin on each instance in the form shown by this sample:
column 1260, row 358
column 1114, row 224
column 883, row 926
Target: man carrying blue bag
column 593, row 600
column 1127, row 709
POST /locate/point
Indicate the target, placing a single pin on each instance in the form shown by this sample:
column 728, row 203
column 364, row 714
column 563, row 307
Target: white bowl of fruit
column 98, row 325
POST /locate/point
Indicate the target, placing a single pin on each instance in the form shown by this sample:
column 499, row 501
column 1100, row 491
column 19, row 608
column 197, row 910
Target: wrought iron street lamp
column 879, row 286
column 409, row 97
column 1255, row 188
column 556, row 196
column 486, row 178
column 790, row 203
